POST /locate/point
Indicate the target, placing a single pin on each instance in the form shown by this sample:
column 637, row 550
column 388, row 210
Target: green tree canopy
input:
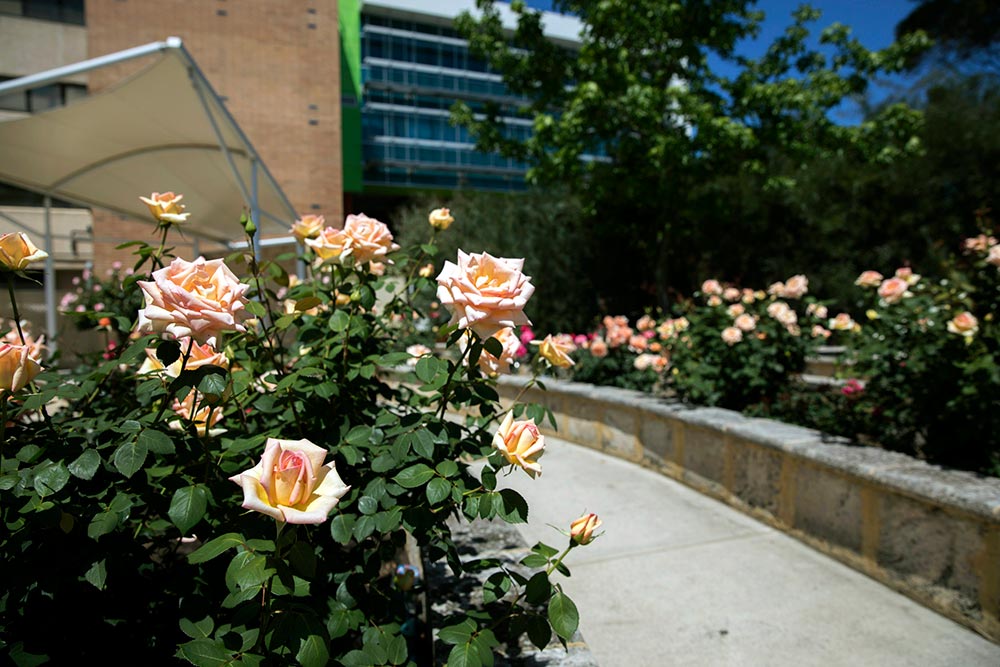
column 653, row 139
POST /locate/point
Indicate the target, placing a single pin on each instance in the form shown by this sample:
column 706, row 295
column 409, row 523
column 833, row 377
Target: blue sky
column 872, row 22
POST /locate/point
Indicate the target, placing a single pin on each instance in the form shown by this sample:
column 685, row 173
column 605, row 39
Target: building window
column 62, row 11
column 41, row 98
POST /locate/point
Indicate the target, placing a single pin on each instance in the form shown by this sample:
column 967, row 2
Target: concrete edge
column 930, row 533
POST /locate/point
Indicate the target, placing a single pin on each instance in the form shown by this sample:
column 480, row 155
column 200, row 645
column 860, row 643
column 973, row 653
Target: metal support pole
column 50, row 281
column 255, row 209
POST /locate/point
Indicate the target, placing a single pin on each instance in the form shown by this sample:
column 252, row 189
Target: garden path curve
column 681, row 579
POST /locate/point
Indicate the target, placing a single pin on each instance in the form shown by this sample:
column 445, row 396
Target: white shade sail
column 162, row 129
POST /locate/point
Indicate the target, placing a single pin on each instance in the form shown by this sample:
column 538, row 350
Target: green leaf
column 157, row 442
column 367, row 505
column 458, row 633
column 214, row 383
column 97, row 574
column 538, row 589
column 493, row 346
column 313, row 652
column 364, row 527
column 513, row 507
column 216, row 547
column 342, row 528
column 339, row 321
column 539, row 630
column 464, row 655
column 359, row 435
column 534, row 560
column 257, row 309
column 130, row 456
column 563, row 615
column 496, row 586
column 86, row 464
column 205, row 653
column 447, row 468
column 247, row 570
column 426, row 368
column 423, row 443
column 438, row 489
column 51, row 478
column 197, row 630
column 388, row 521
column 188, row 507
column 396, row 650
column 414, row 476
column 168, row 351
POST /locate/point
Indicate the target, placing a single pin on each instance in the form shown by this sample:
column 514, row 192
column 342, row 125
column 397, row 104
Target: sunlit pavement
column 681, row 579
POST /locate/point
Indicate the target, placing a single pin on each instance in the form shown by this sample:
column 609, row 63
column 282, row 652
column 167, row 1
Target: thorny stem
column 170, row 394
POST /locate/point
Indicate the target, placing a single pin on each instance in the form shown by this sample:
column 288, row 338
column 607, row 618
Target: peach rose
column 711, row 286
column 416, row 351
column 201, row 299
column 842, row 322
column 195, row 409
column 440, row 218
column 426, row 271
column 582, row 530
column 732, row 335
column 745, row 322
column 747, row 296
column 291, row 483
column 166, row 207
column 714, row 301
column 330, row 243
column 520, row 443
column 36, row 347
column 645, row 323
column 370, row 239
column 731, row 294
column 556, row 351
column 817, row 310
column 795, row 287
column 599, row 348
column 485, row 293
column 638, row 343
column 907, row 274
column 869, row 279
column 964, row 324
column 994, row 256
column 893, row 289
column 17, row 368
column 819, row 332
column 17, row 251
column 201, row 355
column 308, row 227
column 735, row 310
column 491, row 365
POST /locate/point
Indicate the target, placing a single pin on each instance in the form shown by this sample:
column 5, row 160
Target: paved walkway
column 681, row 579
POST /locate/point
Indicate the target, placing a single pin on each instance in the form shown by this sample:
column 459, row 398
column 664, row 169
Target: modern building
column 347, row 103
column 403, row 67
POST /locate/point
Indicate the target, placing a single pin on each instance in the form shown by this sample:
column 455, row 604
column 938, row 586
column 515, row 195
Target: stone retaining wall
column 932, row 534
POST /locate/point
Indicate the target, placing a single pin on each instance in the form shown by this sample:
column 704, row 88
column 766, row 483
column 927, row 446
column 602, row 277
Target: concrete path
column 682, row 579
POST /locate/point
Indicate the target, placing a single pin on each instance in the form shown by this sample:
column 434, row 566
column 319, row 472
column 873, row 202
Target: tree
column 963, row 30
column 656, row 144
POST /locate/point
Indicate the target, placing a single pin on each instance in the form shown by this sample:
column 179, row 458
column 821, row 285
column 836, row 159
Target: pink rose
column 711, row 286
column 369, row 239
column 291, row 483
column 979, row 244
column 308, row 227
column 731, row 294
column 893, row 289
column 819, row 332
column 907, row 274
column 520, row 443
column 17, row 367
column 201, row 299
column 485, row 293
column 994, row 256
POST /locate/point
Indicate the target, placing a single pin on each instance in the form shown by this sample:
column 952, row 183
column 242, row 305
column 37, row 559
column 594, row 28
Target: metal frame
column 213, row 108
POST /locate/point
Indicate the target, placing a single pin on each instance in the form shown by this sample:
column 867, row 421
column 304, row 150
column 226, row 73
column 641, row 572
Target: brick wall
column 276, row 63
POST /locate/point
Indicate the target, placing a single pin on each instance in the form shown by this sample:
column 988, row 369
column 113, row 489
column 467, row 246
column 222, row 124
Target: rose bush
column 238, row 483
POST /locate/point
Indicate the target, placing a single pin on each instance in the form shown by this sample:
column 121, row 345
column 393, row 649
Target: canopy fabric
column 163, row 129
